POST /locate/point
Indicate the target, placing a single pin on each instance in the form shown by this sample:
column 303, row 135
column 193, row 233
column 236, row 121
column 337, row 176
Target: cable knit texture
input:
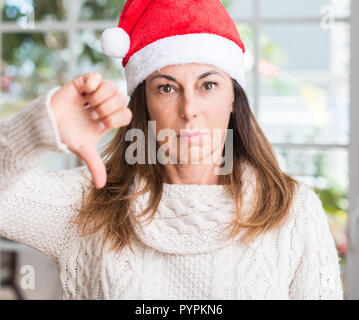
column 181, row 254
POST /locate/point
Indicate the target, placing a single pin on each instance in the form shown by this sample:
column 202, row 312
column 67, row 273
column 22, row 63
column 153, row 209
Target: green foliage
column 334, row 200
column 246, row 34
column 102, row 9
column 271, row 51
column 282, row 86
column 227, row 3
column 42, row 10
column 333, row 197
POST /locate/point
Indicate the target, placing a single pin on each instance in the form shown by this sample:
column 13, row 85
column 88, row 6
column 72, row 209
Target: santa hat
column 153, row 34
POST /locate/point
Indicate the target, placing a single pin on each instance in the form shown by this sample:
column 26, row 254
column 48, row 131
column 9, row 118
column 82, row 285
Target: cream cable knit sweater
column 180, row 255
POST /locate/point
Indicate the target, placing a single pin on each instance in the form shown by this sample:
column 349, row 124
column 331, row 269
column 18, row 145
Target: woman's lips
column 190, row 135
column 192, row 138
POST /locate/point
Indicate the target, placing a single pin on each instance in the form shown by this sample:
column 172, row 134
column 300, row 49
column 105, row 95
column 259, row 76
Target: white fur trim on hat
column 202, row 48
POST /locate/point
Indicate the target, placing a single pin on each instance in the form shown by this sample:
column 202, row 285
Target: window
column 298, row 71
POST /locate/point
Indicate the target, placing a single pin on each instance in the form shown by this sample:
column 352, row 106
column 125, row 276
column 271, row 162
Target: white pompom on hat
column 153, row 34
column 115, row 42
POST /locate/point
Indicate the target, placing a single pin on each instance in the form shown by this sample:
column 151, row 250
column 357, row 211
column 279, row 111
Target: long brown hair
column 109, row 209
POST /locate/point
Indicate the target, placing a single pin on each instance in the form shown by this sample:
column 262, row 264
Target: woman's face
column 190, row 96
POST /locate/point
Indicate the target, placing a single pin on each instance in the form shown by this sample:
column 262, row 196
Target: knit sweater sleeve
column 35, row 206
column 317, row 276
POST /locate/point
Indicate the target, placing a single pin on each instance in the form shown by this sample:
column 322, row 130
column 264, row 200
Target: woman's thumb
column 96, row 167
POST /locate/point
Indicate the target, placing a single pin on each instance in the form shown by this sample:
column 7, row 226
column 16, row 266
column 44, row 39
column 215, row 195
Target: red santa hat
column 153, row 34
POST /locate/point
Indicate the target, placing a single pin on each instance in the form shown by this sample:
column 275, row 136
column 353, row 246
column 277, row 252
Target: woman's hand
column 78, row 130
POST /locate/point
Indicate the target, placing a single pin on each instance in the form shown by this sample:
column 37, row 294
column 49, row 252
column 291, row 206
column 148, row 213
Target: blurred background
column 298, row 78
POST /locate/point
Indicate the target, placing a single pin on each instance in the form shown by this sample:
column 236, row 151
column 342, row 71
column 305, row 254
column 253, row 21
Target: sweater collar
column 190, row 218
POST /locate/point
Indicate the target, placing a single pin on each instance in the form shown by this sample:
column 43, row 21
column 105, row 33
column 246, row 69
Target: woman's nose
column 189, row 109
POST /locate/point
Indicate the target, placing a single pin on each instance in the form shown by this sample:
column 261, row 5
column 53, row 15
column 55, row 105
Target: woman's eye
column 166, row 86
column 208, row 85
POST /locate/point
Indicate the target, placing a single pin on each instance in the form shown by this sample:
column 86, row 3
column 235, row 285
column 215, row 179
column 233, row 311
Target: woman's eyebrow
column 204, row 75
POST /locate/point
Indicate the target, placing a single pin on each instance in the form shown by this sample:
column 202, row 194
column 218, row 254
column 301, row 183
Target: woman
column 157, row 229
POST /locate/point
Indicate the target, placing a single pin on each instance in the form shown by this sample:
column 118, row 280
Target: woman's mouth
column 192, row 135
